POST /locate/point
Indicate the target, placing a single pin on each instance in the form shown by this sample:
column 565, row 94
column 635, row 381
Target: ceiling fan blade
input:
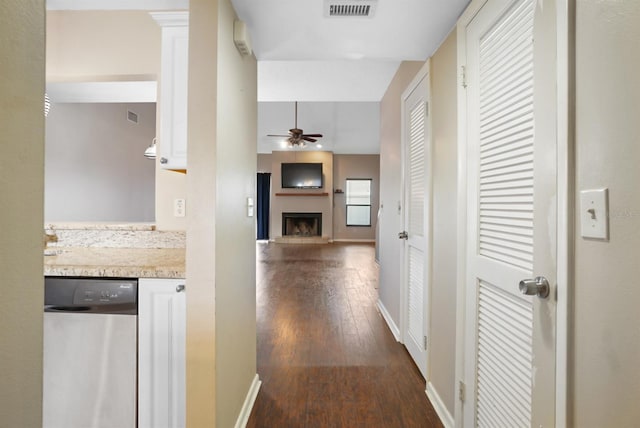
column 312, row 135
column 278, row 135
column 309, row 139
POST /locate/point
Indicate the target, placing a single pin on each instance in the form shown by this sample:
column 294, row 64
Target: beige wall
column 114, row 46
column 321, row 204
column 102, row 45
column 344, row 166
column 390, row 190
column 264, row 162
column 170, row 185
column 355, row 166
column 22, row 188
column 444, row 142
column 606, row 378
column 443, row 289
column 221, row 323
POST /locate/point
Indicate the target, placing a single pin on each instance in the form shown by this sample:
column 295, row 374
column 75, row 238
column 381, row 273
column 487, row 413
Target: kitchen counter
column 115, row 262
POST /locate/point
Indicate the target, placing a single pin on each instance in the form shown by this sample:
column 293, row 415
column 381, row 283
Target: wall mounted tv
column 301, row 175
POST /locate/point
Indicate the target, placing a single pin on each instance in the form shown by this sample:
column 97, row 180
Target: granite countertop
column 115, row 262
column 99, row 226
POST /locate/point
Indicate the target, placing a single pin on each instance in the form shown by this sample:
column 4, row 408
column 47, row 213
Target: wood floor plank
column 325, row 355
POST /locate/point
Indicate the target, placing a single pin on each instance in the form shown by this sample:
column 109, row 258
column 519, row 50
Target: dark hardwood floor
column 325, row 355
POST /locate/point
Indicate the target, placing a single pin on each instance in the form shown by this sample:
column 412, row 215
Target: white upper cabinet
column 172, row 89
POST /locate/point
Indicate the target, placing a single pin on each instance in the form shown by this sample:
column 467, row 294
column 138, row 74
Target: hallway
column 325, row 355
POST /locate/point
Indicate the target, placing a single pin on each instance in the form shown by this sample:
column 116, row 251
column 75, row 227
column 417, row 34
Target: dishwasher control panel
column 104, row 293
column 91, row 295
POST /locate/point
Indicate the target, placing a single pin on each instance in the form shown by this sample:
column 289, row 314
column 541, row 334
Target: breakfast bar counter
column 115, row 262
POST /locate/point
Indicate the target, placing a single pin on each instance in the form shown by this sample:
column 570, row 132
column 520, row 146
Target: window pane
column 358, row 192
column 358, row 215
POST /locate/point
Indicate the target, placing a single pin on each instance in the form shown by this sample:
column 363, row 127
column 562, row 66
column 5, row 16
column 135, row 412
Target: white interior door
column 511, row 215
column 417, row 195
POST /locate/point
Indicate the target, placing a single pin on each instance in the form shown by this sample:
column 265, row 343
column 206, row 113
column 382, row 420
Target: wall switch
column 594, row 213
column 249, row 207
column 179, row 208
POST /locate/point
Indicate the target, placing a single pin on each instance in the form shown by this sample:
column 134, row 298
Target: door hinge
column 461, row 391
column 425, row 343
column 463, row 75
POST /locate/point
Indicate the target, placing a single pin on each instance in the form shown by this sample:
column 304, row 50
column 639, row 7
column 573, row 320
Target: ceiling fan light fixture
column 297, row 137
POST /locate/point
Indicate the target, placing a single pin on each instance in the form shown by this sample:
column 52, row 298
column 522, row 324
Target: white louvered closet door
column 510, row 373
column 416, row 221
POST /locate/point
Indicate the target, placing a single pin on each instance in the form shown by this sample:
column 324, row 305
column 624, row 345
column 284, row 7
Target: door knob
column 403, row 235
column 539, row 286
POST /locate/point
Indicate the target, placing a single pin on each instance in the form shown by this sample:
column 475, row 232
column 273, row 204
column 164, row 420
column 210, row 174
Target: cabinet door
column 161, row 353
column 172, row 99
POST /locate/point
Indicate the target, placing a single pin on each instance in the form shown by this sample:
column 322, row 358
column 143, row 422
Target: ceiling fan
column 296, row 136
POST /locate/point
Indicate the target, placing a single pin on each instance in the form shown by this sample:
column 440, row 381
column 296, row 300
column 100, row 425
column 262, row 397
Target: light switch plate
column 179, row 208
column 594, row 213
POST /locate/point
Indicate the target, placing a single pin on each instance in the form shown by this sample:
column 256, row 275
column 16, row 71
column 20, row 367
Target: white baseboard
column 387, row 317
column 245, row 412
column 440, row 408
column 366, row 241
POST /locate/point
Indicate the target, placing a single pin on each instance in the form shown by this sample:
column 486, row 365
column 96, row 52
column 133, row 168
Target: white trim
column 565, row 27
column 171, row 19
column 247, row 406
column 366, row 241
column 389, row 320
column 461, row 258
column 117, row 4
column 144, row 91
column 438, row 405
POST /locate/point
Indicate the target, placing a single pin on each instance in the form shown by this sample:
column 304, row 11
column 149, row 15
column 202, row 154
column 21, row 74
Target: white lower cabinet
column 161, row 353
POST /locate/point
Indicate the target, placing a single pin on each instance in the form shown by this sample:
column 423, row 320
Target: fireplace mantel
column 302, row 194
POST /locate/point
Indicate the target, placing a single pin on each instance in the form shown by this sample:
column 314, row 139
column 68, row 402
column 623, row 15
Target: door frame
column 565, row 199
column 423, row 73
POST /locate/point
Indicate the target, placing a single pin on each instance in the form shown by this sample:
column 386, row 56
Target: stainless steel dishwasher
column 90, row 352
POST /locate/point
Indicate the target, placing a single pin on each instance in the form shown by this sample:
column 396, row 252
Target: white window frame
column 347, row 204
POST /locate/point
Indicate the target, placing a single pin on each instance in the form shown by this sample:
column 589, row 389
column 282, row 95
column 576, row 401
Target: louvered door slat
column 496, row 233
column 506, row 133
column 504, row 336
column 518, row 99
column 417, row 189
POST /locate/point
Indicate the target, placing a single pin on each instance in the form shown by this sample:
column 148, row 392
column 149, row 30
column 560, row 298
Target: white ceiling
column 339, row 68
column 343, row 58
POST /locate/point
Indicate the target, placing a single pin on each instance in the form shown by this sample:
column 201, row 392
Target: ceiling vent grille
column 349, row 9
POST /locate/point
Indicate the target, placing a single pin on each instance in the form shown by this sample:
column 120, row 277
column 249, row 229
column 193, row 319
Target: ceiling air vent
column 350, row 8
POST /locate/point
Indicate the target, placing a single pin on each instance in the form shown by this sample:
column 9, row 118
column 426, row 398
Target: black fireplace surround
column 301, row 224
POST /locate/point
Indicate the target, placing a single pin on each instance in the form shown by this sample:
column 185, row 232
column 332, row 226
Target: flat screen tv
column 301, row 175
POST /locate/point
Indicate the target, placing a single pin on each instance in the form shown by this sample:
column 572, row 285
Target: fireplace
column 301, row 224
